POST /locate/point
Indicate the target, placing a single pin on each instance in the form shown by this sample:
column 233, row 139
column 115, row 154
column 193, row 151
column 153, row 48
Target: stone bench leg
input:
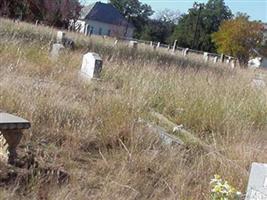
column 12, row 138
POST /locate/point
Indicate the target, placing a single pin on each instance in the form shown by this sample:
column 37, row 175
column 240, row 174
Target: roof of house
column 105, row 13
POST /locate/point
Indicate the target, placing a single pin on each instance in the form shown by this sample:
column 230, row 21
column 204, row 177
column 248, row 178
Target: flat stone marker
column 257, row 185
column 11, row 133
column 91, row 65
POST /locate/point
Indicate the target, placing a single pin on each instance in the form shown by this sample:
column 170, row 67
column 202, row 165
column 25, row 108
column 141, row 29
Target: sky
column 256, row 9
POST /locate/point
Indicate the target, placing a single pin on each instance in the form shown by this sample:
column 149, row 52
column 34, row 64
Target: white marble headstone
column 60, row 36
column 257, row 185
column 91, row 65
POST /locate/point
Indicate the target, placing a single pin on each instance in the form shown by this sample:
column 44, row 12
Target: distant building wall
column 99, row 28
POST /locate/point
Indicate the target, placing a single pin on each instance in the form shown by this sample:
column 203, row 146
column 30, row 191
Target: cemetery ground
column 95, row 131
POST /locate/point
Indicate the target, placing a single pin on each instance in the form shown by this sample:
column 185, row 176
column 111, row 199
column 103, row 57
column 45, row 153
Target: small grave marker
column 257, row 189
column 60, row 36
column 91, row 65
column 11, row 133
column 158, row 45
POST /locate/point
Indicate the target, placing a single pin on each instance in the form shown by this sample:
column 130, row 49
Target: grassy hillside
column 92, row 130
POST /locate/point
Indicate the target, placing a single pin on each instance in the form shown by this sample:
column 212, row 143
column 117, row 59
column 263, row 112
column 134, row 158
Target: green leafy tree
column 135, row 12
column 237, row 37
column 195, row 28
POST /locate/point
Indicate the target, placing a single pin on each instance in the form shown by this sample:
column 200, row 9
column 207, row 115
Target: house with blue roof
column 104, row 19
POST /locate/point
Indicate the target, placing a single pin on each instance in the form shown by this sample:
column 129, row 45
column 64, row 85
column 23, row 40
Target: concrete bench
column 11, row 128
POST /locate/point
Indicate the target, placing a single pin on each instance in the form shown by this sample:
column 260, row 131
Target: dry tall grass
column 92, row 129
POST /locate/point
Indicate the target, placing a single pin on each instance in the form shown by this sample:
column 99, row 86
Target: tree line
column 210, row 26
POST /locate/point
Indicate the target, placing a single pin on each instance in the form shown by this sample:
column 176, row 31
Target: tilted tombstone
column 206, row 56
column 56, row 50
column 11, row 133
column 133, row 44
column 257, row 185
column 91, row 66
column 158, row 45
column 60, row 36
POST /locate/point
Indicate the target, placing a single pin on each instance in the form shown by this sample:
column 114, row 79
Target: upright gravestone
column 257, row 185
column 60, row 37
column 91, row 66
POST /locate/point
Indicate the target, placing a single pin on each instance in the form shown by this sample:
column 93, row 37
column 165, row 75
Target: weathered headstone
column 56, row 50
column 257, row 185
column 11, row 133
column 206, row 56
column 60, row 36
column 133, row 44
column 91, row 65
